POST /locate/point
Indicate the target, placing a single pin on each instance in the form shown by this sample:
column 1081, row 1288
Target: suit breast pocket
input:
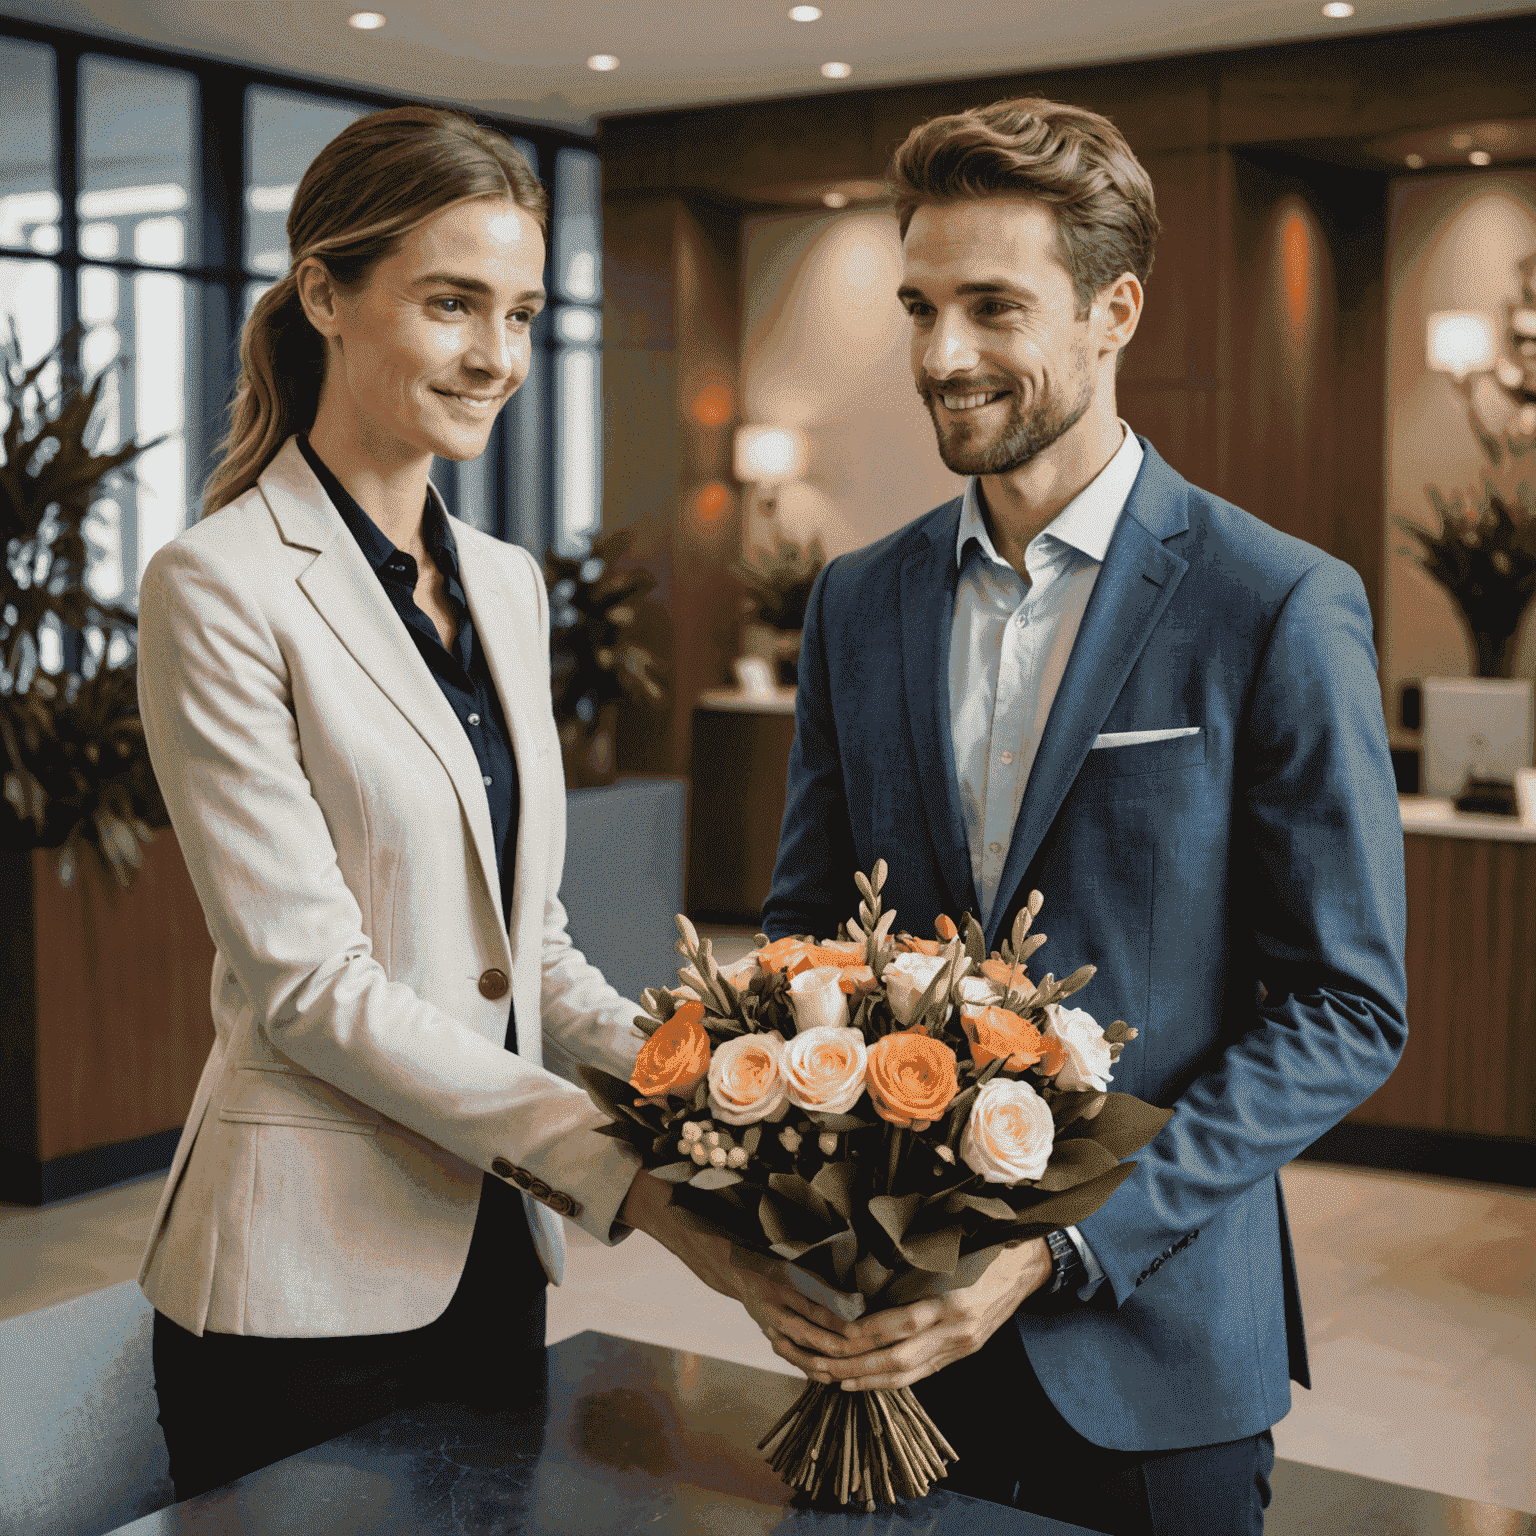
column 273, row 1093
column 1134, row 759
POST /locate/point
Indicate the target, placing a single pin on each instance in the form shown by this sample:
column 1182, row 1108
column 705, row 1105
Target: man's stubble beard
column 1023, row 437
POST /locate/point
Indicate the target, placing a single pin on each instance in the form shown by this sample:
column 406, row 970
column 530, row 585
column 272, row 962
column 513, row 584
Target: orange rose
column 911, row 1079
column 1005, row 976
column 858, row 981
column 945, row 928
column 996, row 1032
column 780, row 954
column 675, row 1059
column 923, row 946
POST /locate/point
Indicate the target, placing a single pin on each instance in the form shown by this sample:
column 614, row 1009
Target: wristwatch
column 1068, row 1272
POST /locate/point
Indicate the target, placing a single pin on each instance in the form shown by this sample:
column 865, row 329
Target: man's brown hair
column 1074, row 161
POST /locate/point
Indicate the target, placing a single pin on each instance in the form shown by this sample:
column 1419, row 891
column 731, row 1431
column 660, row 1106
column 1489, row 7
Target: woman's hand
column 798, row 1329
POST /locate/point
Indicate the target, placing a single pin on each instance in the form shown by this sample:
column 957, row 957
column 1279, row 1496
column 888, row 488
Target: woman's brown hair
column 1073, row 160
column 376, row 180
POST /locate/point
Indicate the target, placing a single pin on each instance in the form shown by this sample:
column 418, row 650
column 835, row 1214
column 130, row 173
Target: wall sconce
column 1461, row 341
column 767, row 457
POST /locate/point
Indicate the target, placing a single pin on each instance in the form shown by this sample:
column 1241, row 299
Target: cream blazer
column 334, row 822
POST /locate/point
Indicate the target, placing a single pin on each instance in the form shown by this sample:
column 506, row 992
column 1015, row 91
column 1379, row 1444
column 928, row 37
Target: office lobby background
column 722, row 257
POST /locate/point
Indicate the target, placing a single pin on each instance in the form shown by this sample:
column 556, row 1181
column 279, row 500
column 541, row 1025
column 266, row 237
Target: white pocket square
column 1137, row 738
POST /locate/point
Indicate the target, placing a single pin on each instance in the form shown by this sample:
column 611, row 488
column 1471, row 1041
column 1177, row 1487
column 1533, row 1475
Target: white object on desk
column 780, row 702
column 754, row 676
column 1440, row 818
column 1475, row 725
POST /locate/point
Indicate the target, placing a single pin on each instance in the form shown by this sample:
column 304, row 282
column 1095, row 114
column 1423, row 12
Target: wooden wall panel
column 123, row 1023
column 1470, row 1063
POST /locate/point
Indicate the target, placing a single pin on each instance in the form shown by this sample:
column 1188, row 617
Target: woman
column 346, row 697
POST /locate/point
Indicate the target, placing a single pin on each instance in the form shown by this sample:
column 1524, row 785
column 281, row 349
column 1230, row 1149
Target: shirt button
column 1006, row 759
column 994, row 847
column 1021, row 621
column 487, row 781
column 474, row 719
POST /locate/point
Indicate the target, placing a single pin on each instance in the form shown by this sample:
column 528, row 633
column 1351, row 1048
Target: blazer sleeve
column 816, row 847
column 214, row 697
column 1317, row 832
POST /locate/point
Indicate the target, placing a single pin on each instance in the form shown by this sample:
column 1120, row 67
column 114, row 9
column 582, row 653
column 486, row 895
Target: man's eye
column 445, row 303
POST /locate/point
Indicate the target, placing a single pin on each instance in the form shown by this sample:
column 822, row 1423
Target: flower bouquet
column 871, row 1120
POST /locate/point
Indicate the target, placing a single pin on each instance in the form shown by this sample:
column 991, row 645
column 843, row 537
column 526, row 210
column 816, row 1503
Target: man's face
column 1000, row 357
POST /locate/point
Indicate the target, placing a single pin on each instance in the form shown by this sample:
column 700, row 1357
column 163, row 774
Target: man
column 1088, row 677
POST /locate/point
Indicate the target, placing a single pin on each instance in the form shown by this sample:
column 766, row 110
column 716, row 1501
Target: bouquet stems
column 860, row 1447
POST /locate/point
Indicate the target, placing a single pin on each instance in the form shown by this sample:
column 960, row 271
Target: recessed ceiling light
column 805, row 13
column 1480, row 157
column 602, row 62
column 1338, row 10
column 366, row 21
column 1414, row 162
column 835, row 199
column 837, row 71
column 1461, row 141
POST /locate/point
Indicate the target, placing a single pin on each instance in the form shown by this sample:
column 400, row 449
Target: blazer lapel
column 928, row 579
column 351, row 600
column 1138, row 578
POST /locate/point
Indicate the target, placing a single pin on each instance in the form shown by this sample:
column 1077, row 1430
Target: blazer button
column 493, row 984
column 501, row 1168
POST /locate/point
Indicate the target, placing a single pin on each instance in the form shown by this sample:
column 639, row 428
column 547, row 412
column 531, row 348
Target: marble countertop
column 1440, row 818
column 615, row 1437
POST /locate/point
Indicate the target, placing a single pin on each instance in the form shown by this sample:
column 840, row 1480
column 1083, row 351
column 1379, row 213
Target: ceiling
column 528, row 61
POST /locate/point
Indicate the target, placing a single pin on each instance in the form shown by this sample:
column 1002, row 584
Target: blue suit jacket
column 1240, row 891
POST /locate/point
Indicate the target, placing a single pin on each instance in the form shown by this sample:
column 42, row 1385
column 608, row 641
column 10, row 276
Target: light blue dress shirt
column 1008, row 649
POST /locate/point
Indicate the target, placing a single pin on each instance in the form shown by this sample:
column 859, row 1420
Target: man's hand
column 905, row 1344
column 798, row 1329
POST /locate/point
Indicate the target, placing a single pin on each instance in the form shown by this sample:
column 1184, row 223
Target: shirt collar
column 1086, row 523
column 371, row 539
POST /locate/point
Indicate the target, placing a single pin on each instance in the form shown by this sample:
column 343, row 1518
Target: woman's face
column 422, row 356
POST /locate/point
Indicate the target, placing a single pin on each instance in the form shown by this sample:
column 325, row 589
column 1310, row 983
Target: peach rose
column 817, row 999
column 823, row 1069
column 674, row 1060
column 997, row 1032
column 911, row 1079
column 858, row 981
column 745, row 1084
column 1009, row 1133
column 1005, row 976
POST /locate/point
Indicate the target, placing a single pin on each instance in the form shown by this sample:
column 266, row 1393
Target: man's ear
column 1118, row 308
column 319, row 296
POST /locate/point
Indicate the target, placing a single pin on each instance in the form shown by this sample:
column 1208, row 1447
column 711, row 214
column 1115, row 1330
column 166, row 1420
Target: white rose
column 740, row 972
column 906, row 978
column 824, row 1069
column 978, row 992
column 1009, row 1132
column 817, row 999
column 1087, row 1051
column 746, row 1083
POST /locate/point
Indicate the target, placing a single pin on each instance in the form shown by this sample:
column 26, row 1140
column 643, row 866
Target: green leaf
column 754, row 1134
column 839, row 1122
column 715, row 1178
column 791, row 1187
column 834, row 1183
column 675, row 1173
column 975, row 940
column 988, row 1205
column 1071, row 1205
column 1124, row 1126
column 895, row 1213
column 1075, row 1162
column 936, row 1251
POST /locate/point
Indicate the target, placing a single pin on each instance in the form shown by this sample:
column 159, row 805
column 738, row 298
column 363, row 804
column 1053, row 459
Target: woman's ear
column 319, row 296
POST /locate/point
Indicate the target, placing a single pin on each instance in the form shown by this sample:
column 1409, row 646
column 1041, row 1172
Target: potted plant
column 778, row 587
column 104, row 1019
column 1477, row 732
column 594, row 662
column 76, row 768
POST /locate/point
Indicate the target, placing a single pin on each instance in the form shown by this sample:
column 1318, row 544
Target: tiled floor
column 1419, row 1298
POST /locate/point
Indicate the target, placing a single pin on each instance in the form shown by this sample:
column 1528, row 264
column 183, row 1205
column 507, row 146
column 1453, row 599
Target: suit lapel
column 928, row 580
column 1137, row 580
column 351, row 600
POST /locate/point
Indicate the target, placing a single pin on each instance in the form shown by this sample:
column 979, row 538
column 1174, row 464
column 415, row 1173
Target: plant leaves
column 988, row 1205
column 1124, row 1126
column 895, row 1213
column 834, row 1183
column 1071, row 1205
column 715, row 1178
column 675, row 1173
column 1073, row 1162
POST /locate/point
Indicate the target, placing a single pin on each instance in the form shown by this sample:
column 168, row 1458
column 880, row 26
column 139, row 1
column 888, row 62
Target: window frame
column 219, row 275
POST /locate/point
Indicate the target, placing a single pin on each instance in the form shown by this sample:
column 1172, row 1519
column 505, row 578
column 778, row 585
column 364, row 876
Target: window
column 150, row 214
